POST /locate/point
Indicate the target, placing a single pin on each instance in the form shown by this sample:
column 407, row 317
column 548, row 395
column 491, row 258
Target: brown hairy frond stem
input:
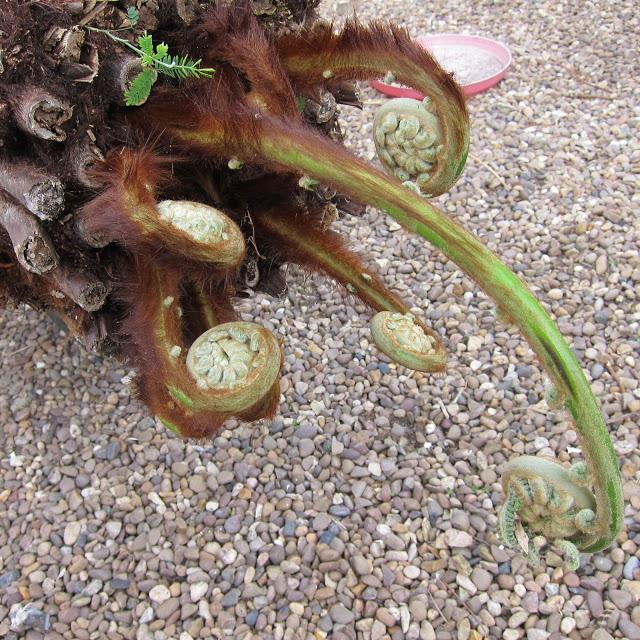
column 234, row 36
column 127, row 212
column 152, row 327
column 303, row 243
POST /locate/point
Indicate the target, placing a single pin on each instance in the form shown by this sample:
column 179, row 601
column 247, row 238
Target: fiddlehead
column 549, row 500
column 127, row 212
column 405, row 341
column 321, row 57
column 408, row 139
column 239, row 361
column 231, row 369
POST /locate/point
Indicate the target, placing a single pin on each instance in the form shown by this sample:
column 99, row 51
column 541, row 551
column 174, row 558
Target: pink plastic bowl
column 478, row 63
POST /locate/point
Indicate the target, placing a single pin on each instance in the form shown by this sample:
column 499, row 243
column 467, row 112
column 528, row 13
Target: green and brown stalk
column 232, row 369
column 277, row 142
column 324, row 250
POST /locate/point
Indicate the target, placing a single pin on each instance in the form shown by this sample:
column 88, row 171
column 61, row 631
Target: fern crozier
column 408, row 139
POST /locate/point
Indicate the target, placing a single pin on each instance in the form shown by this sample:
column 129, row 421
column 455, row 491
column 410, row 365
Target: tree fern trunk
column 61, row 110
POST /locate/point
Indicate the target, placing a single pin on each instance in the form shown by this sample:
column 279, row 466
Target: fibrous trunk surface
column 61, row 112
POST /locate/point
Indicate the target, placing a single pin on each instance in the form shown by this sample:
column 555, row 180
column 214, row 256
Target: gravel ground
column 367, row 509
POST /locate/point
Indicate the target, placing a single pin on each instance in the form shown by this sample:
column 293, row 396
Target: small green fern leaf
column 180, row 67
column 140, row 88
column 145, row 42
column 155, row 60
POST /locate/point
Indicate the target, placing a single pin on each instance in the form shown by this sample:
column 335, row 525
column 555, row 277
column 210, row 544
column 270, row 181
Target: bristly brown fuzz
column 234, row 37
column 289, row 234
column 146, row 345
column 355, row 53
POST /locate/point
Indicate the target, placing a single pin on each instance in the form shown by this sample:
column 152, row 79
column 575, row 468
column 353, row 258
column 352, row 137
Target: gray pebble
column 120, row 583
column 595, row 604
column 630, row 630
column 631, row 566
column 341, row 615
column 306, row 447
column 231, row 598
column 8, row 578
column 233, row 524
column 602, row 563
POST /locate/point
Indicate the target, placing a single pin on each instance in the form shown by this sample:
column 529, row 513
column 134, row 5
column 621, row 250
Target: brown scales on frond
column 233, row 37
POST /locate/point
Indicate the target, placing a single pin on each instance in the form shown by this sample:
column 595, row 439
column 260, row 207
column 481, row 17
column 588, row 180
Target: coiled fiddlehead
column 128, row 212
column 408, row 139
column 549, row 500
column 231, row 369
column 404, row 341
column 323, row 57
column 239, row 361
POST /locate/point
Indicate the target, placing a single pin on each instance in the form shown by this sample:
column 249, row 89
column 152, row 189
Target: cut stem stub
column 31, row 244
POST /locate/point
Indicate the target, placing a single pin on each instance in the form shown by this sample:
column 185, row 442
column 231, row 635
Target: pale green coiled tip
column 408, row 139
column 234, row 364
column 221, row 238
column 548, row 501
column 405, row 341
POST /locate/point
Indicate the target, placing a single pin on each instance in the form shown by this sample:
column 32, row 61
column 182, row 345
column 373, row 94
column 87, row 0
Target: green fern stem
column 154, row 60
column 172, row 66
column 302, row 151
